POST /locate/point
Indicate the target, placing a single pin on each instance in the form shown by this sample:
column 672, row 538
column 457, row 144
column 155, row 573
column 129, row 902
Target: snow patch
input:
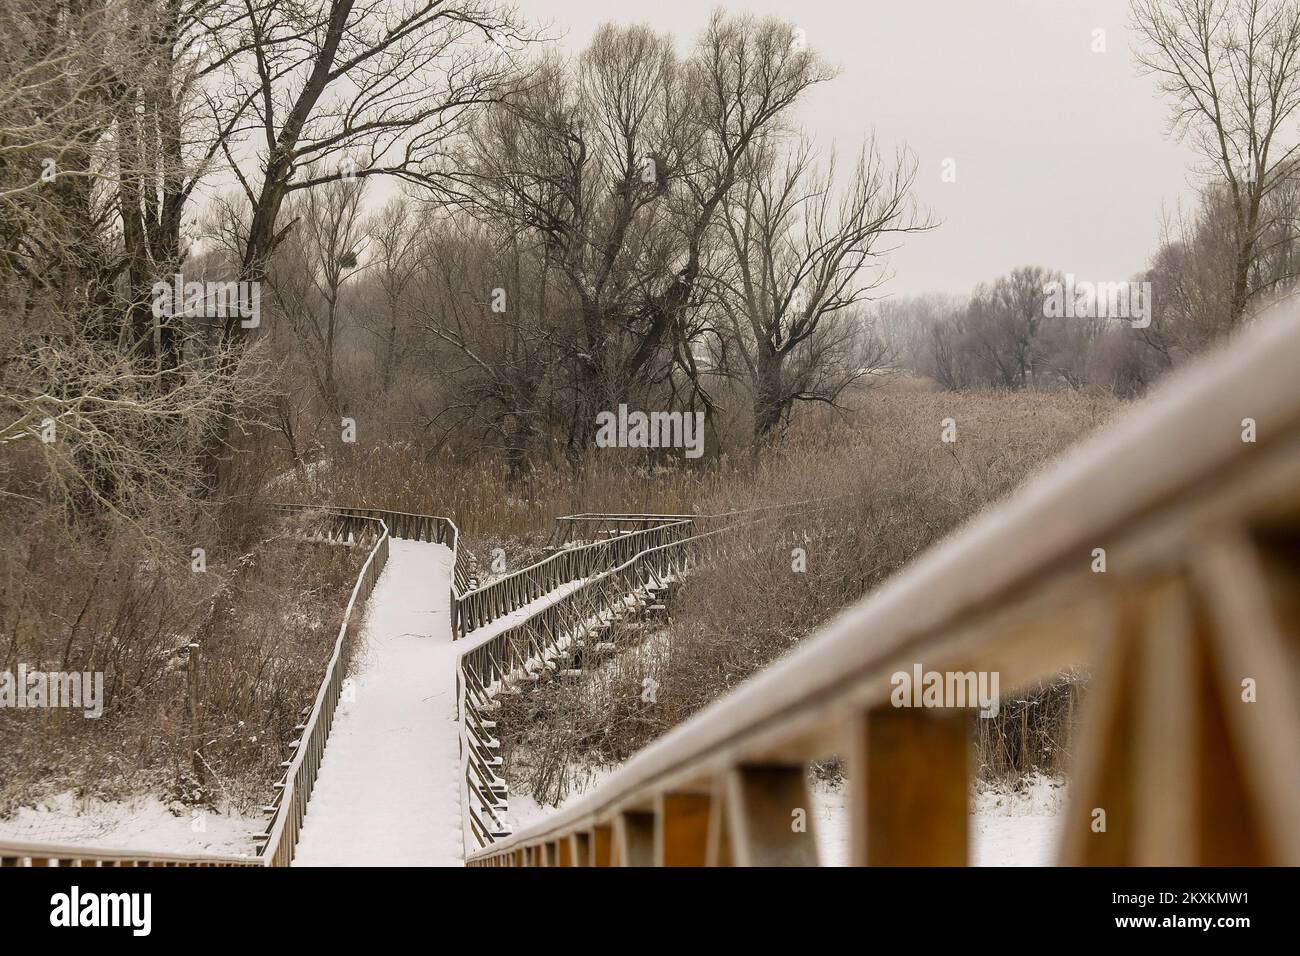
column 144, row 824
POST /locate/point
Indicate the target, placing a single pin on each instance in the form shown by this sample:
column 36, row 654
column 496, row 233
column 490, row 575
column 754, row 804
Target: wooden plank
column 909, row 775
column 1251, row 593
column 602, row 845
column 1166, row 740
column 769, row 808
column 1098, row 780
column 682, row 829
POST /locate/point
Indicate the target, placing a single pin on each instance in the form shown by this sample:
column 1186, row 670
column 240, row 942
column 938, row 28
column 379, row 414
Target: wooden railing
column 516, row 590
column 413, row 527
column 289, row 806
column 571, row 626
column 53, row 854
column 1163, row 556
column 593, row 525
column 570, row 631
column 372, row 528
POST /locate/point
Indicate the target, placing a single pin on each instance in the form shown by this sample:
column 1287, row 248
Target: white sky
column 1063, row 157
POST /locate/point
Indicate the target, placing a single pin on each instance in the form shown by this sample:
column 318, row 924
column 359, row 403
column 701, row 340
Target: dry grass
column 264, row 613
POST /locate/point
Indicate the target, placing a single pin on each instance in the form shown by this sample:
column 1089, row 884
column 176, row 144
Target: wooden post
column 1099, row 817
column 581, row 848
column 719, row 848
column 682, row 829
column 908, row 776
column 1167, row 738
column 602, row 845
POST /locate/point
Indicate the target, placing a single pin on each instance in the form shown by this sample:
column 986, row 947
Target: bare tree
column 1003, row 321
column 498, row 365
column 394, row 260
column 617, row 172
column 1230, row 69
column 390, row 81
column 802, row 260
column 110, row 435
column 310, row 282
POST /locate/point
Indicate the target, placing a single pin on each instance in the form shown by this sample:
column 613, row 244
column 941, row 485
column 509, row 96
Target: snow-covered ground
column 145, row 823
column 389, row 786
column 1008, row 828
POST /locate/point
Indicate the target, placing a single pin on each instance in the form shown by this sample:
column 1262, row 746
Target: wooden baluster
column 1099, row 819
column 1251, row 587
column 908, row 776
column 719, row 847
column 602, row 845
column 682, row 829
column 1166, row 736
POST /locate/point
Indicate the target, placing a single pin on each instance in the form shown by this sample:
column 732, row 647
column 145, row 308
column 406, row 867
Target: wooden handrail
column 294, row 789
column 513, row 591
column 1187, row 753
column 54, row 854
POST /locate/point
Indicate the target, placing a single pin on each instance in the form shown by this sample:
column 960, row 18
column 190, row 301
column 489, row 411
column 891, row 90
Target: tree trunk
column 768, row 400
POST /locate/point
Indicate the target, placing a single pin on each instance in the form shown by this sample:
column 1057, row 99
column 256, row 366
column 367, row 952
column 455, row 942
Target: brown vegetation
column 905, row 491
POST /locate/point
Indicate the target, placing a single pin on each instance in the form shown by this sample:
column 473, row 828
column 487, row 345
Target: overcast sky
column 1062, row 155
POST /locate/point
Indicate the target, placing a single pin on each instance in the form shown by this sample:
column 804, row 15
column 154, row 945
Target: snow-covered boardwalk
column 389, row 785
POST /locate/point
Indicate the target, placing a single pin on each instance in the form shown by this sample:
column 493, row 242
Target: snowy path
column 388, row 792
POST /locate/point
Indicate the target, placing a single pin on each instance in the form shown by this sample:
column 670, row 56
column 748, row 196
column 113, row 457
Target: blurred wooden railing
column 1163, row 556
column 53, row 854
